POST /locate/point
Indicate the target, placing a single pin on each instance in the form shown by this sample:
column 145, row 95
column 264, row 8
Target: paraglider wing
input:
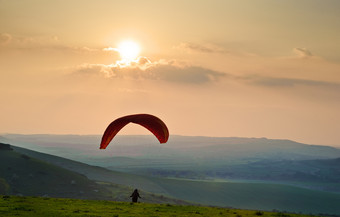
column 150, row 122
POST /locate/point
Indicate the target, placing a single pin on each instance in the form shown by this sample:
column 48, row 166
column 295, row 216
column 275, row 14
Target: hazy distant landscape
column 249, row 173
column 206, row 158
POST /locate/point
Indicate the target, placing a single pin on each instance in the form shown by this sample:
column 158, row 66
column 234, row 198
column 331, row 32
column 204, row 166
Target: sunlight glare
column 128, row 50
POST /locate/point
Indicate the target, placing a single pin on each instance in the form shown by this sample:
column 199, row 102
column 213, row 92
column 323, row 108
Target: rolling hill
column 246, row 195
column 204, row 158
column 28, row 175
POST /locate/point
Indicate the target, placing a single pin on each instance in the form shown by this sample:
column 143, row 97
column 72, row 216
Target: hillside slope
column 97, row 173
column 32, row 173
column 29, row 176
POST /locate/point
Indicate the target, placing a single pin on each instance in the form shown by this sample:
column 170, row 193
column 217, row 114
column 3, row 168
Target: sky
column 219, row 68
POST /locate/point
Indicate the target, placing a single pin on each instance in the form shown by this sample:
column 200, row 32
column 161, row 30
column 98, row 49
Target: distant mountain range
column 86, row 147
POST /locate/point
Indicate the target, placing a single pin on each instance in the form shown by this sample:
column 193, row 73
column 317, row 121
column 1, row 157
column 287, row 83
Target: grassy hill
column 29, row 176
column 23, row 174
column 97, row 173
column 37, row 206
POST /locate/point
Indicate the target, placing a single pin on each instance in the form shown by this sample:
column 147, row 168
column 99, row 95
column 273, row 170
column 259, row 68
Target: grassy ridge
column 38, row 206
column 30, row 176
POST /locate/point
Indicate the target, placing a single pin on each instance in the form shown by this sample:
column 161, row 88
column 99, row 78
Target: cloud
column 303, row 52
column 110, row 49
column 25, row 41
column 192, row 47
column 93, row 69
column 143, row 68
column 41, row 43
column 192, row 74
column 5, row 38
column 177, row 72
column 286, row 82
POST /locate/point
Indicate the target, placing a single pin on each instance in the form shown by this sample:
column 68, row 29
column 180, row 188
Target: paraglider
column 150, row 122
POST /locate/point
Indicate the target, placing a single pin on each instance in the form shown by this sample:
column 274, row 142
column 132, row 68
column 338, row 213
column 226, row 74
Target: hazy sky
column 245, row 68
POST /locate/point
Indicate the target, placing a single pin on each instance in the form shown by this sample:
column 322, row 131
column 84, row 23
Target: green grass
column 39, row 206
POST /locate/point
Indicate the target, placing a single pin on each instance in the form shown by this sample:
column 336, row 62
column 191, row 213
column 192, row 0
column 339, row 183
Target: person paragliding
column 135, row 195
column 150, row 122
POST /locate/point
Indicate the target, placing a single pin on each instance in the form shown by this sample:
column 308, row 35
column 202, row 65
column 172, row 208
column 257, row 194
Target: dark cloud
column 143, row 68
column 171, row 71
column 287, row 82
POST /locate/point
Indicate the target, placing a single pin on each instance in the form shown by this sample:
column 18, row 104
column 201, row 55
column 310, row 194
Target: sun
column 128, row 50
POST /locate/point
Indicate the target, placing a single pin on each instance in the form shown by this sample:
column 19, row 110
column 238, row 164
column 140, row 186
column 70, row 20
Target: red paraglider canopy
column 150, row 122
